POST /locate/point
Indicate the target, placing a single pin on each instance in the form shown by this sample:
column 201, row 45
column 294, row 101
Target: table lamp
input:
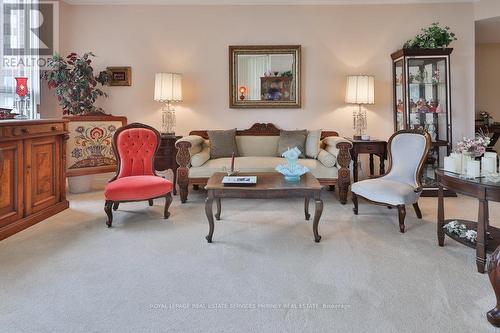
column 360, row 90
column 168, row 89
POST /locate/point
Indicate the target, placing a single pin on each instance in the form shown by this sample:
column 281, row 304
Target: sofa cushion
column 312, row 143
column 200, row 158
column 137, row 188
column 259, row 164
column 330, row 144
column 291, row 139
column 253, row 145
column 326, row 158
column 223, row 143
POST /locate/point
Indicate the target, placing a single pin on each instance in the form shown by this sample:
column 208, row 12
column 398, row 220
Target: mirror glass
column 265, row 77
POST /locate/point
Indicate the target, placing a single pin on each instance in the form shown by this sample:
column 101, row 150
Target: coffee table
column 270, row 185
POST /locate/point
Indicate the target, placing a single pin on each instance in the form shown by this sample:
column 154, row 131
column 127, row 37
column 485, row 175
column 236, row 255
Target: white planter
column 80, row 184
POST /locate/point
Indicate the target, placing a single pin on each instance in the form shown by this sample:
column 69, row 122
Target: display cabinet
column 422, row 100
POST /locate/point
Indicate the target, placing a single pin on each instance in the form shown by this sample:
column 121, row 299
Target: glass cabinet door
column 427, row 98
column 399, row 91
column 428, row 105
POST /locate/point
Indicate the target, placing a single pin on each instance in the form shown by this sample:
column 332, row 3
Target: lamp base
column 357, row 137
column 168, row 120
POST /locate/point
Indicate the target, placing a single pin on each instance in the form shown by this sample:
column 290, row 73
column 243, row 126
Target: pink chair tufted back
column 136, row 147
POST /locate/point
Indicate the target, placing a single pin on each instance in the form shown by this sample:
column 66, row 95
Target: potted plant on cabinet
column 90, row 130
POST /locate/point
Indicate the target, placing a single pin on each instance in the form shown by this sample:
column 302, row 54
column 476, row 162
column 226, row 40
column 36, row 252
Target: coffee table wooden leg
column 306, row 208
column 218, row 203
column 208, row 211
column 317, row 216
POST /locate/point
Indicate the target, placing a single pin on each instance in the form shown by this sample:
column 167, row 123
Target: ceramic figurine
column 422, row 106
column 436, row 76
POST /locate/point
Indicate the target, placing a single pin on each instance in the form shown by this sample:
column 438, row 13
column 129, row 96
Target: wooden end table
column 270, row 185
column 488, row 237
column 165, row 157
column 372, row 147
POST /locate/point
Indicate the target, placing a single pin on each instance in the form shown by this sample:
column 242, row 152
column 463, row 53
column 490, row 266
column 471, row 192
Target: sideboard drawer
column 370, row 149
column 17, row 131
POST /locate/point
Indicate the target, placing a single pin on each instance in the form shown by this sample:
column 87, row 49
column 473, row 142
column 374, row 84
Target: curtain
column 18, row 34
column 250, row 70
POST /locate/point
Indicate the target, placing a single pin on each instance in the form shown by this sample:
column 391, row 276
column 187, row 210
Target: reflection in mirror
column 264, row 76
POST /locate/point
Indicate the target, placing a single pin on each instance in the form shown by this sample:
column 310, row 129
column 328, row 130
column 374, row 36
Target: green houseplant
column 432, row 37
column 75, row 84
column 77, row 89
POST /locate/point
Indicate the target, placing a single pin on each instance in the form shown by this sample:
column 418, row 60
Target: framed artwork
column 89, row 147
column 120, row 76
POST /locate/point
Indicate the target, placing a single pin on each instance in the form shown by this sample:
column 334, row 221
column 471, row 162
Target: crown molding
column 262, row 2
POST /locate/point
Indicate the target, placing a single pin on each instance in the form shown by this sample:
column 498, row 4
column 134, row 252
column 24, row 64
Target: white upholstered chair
column 400, row 186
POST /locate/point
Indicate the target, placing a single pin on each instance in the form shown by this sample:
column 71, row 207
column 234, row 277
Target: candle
column 458, row 161
column 449, row 164
column 465, row 160
column 473, row 168
column 232, row 162
column 488, row 165
column 490, row 154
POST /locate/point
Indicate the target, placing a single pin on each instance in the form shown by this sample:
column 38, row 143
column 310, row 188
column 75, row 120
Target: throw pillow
column 291, row 139
column 312, row 143
column 200, row 158
column 326, row 158
column 222, row 143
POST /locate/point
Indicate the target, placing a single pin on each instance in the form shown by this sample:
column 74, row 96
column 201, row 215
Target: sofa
column 257, row 148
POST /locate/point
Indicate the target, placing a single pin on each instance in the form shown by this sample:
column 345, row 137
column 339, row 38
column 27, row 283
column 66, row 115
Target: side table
column 165, row 156
column 372, row 147
column 488, row 237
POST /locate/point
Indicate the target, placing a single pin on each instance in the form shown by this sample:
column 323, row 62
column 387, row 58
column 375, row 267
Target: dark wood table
column 372, row 147
column 165, row 158
column 488, row 237
column 270, row 185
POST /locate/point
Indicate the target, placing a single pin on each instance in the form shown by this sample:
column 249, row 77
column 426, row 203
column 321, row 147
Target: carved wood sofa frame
column 343, row 180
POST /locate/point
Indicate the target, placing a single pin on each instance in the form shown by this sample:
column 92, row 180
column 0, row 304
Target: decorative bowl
column 293, row 172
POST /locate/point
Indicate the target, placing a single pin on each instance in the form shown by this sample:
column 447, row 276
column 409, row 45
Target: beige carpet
column 263, row 273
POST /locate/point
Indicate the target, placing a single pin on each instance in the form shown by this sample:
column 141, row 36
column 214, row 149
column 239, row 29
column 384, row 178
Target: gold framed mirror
column 264, row 76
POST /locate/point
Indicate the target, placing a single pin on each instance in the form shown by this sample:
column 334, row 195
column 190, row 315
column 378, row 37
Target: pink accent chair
column 135, row 146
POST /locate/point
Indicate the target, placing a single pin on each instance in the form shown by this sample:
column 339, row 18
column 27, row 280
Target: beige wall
column 484, row 9
column 487, row 75
column 193, row 40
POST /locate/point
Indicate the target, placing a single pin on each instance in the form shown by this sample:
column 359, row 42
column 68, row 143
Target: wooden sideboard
column 32, row 172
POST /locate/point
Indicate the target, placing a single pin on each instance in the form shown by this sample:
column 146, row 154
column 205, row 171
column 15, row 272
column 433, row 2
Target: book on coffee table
column 239, row 180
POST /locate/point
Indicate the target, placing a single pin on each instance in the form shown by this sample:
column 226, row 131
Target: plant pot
column 80, row 184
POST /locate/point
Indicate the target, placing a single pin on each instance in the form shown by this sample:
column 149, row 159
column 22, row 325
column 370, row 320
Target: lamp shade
column 360, row 89
column 168, row 87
